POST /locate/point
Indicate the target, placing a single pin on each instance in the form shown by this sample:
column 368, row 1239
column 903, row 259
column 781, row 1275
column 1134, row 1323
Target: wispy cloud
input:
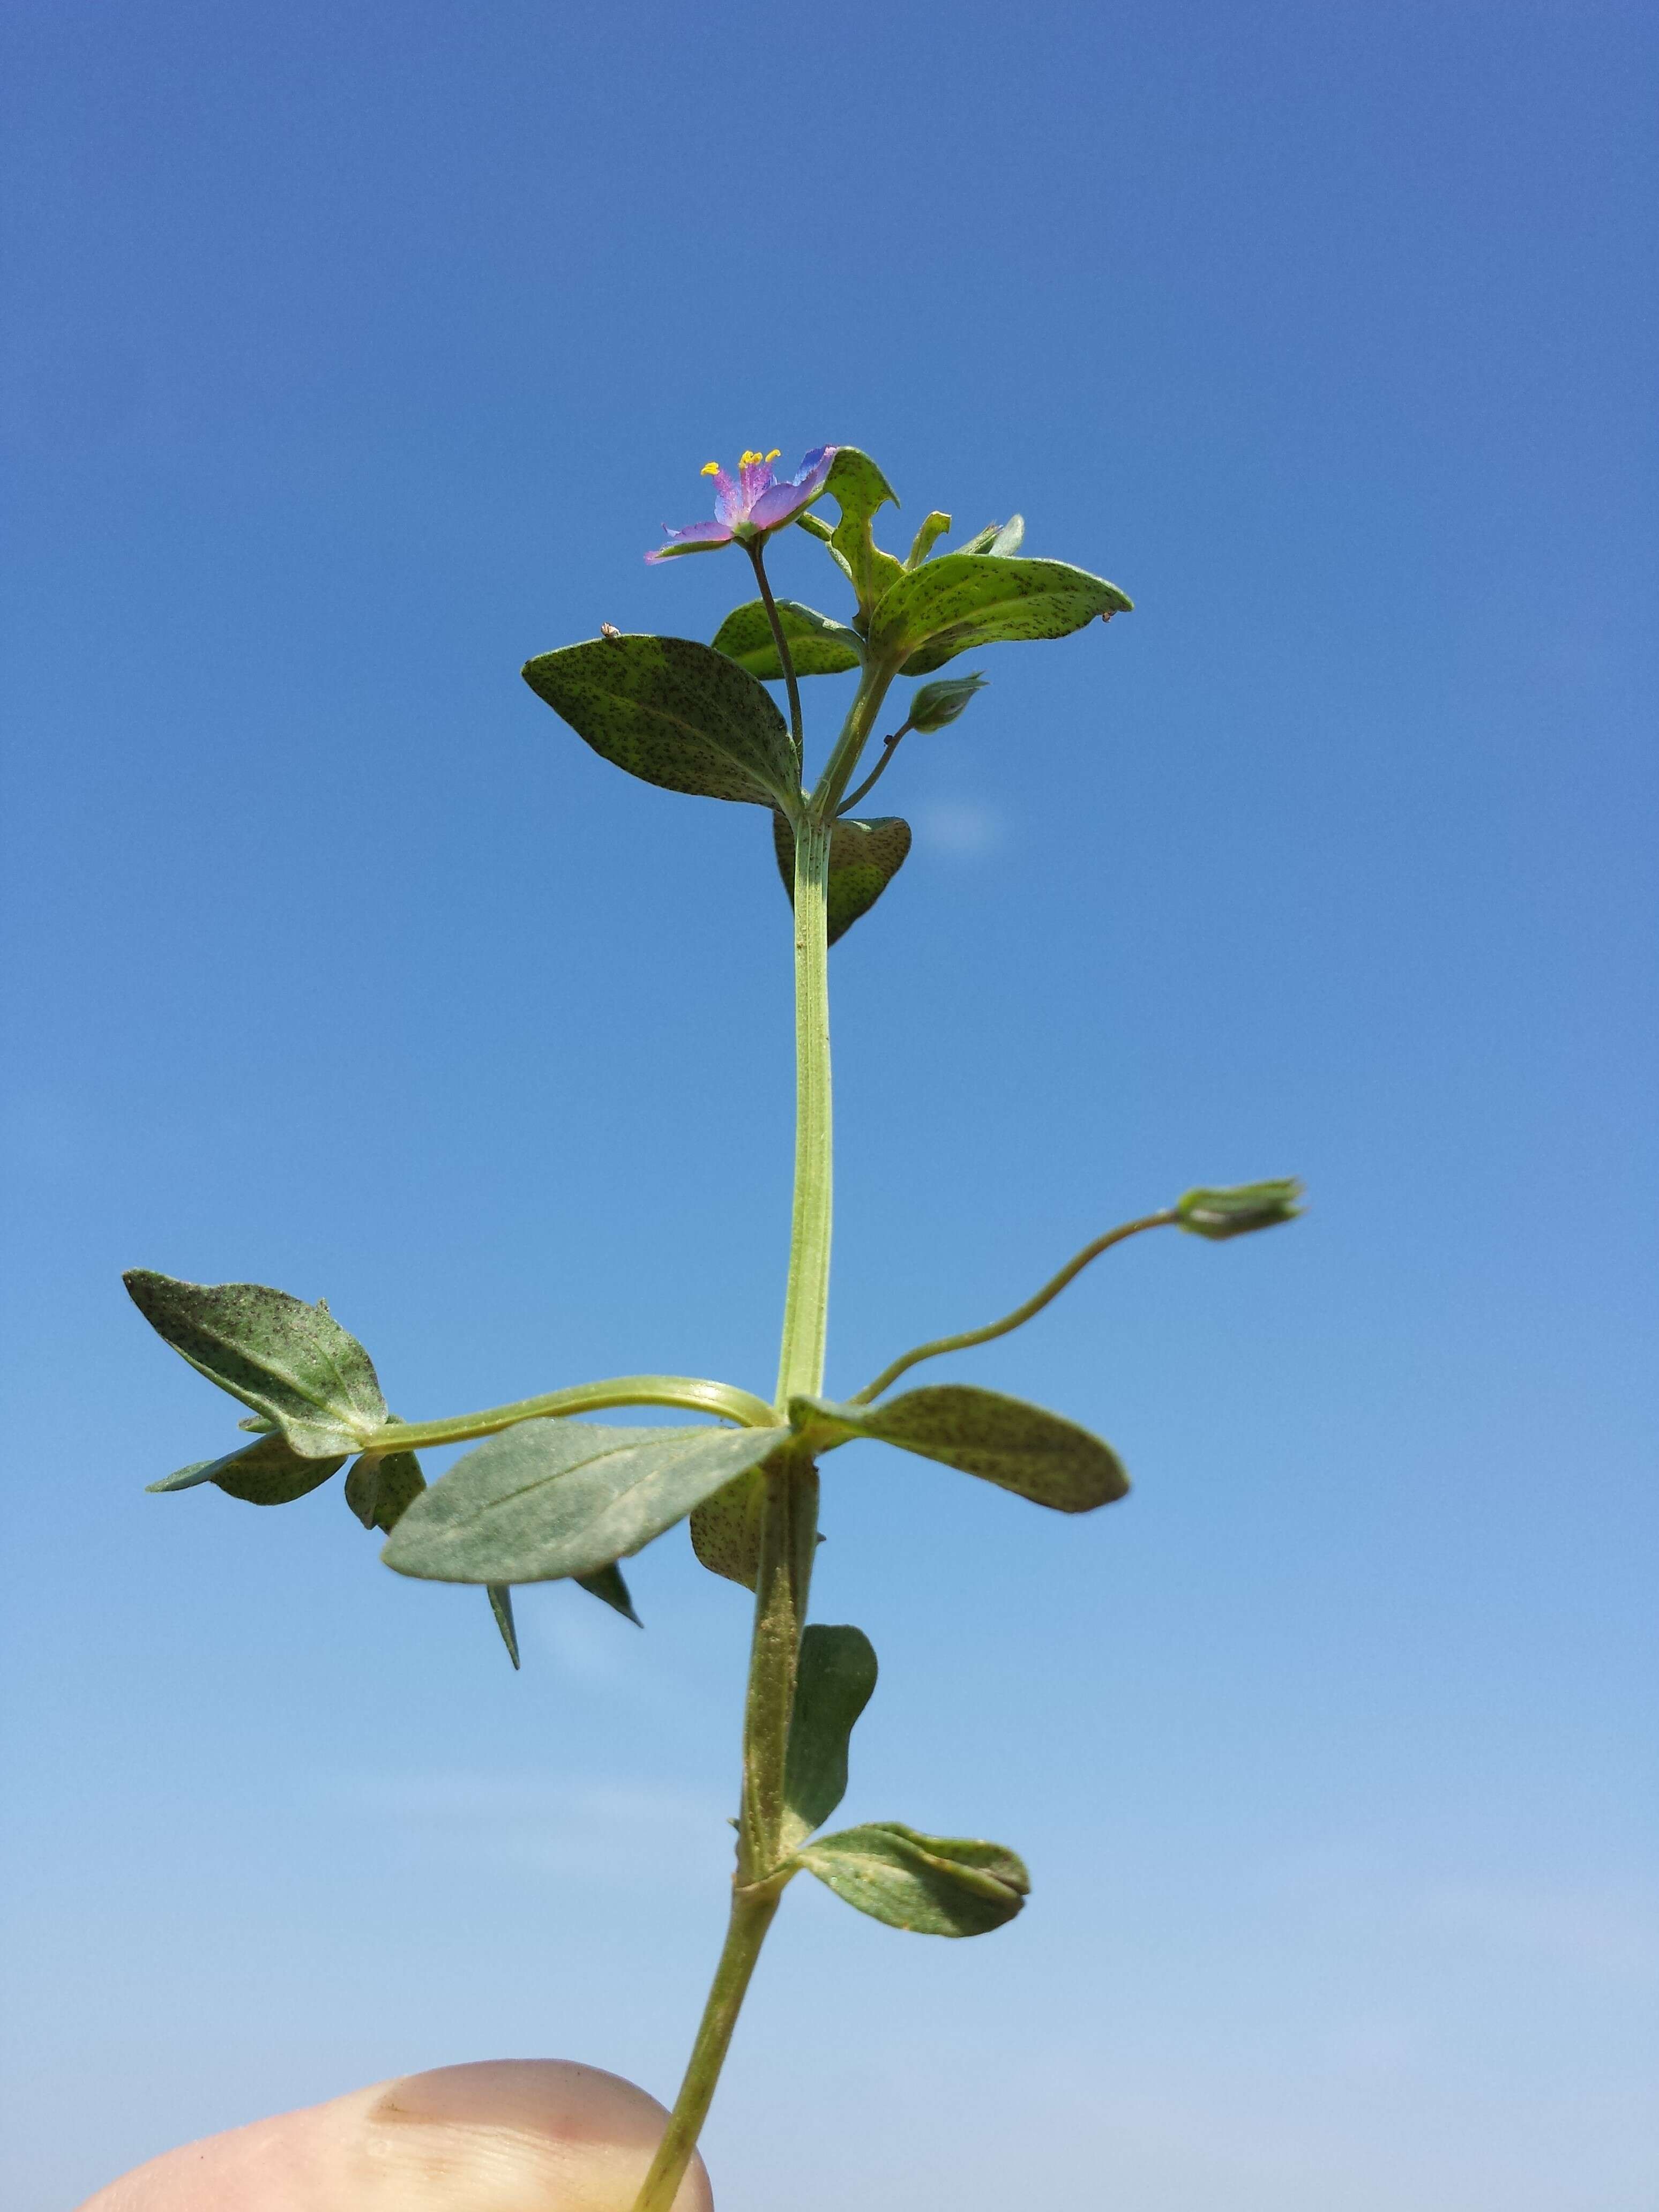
column 965, row 828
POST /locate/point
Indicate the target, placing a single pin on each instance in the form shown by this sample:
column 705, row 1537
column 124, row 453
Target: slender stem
column 1051, row 1289
column 755, row 548
column 751, row 1916
column 788, row 1535
column 806, row 1296
column 689, row 1392
column 888, row 747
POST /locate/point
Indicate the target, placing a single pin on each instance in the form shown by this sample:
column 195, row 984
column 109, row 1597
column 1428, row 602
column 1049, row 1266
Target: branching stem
column 888, row 747
column 1020, row 1314
column 689, row 1392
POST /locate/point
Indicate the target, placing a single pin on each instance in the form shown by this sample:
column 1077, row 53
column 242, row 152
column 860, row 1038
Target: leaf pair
column 316, row 1395
column 930, row 1885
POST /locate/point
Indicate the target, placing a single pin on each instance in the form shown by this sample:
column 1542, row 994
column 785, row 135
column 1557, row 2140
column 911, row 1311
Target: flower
column 753, row 507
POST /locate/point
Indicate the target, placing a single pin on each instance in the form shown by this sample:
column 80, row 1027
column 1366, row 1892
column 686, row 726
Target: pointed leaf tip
column 501, row 1604
column 289, row 1361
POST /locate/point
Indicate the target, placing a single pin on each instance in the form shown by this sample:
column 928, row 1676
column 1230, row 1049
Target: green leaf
column 818, row 645
column 674, row 712
column 1002, row 1440
column 268, row 1472
column 1001, row 538
column 608, row 1586
column 864, row 858
column 936, row 525
column 930, row 1885
column 965, row 599
column 836, row 1676
column 1218, row 1214
column 288, row 1360
column 859, row 489
column 553, row 1498
column 501, row 1604
column 725, row 1529
column 380, row 1491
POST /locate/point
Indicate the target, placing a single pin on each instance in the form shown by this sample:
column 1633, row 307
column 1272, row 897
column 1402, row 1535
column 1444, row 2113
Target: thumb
column 513, row 2136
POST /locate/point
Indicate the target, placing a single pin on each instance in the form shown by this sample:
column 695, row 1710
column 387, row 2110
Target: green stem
column 806, row 1296
column 689, row 1392
column 788, row 1536
column 888, row 747
column 754, row 549
column 1020, row 1314
column 751, row 1916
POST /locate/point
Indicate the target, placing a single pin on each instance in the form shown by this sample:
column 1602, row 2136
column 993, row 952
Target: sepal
column 1218, row 1214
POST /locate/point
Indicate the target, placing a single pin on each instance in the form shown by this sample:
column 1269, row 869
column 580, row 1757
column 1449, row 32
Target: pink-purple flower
column 753, row 505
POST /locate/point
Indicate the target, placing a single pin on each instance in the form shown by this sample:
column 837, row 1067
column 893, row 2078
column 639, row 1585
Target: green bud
column 1235, row 1212
column 936, row 704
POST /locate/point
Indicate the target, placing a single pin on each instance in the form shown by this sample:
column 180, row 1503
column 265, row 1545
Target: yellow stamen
column 776, row 451
column 709, row 469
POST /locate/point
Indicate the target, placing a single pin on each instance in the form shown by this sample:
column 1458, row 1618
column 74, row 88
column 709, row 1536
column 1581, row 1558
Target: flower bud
column 1235, row 1212
column 936, row 704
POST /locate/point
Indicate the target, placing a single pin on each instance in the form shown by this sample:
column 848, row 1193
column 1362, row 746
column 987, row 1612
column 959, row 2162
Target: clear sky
column 354, row 353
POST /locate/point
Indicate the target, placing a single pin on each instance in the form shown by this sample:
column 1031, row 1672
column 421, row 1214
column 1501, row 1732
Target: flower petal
column 786, row 501
column 815, row 468
column 730, row 504
column 695, row 537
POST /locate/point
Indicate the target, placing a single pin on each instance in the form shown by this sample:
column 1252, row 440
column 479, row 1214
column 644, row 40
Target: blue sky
column 355, row 353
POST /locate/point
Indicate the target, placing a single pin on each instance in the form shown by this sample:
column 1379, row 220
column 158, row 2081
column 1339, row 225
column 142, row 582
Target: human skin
column 512, row 2135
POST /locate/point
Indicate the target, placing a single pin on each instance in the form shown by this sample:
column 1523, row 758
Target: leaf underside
column 864, row 858
column 928, row 1885
column 961, row 601
column 268, row 1472
column 674, row 712
column 725, row 1529
column 549, row 1500
column 290, row 1361
column 1019, row 1447
column 836, row 1677
column 818, row 645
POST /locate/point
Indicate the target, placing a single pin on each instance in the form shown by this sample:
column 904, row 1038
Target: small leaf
column 501, row 1604
column 608, row 1586
column 725, row 1529
column 864, row 858
column 936, row 526
column 673, row 713
column 554, row 1498
column 818, row 645
column 266, row 1473
column 860, row 488
column 1018, row 1447
column 1000, row 538
column 836, row 1676
column 289, row 1361
column 930, row 1885
column 965, row 599
column 380, row 1491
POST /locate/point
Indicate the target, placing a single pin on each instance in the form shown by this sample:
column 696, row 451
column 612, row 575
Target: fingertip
column 505, row 2136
